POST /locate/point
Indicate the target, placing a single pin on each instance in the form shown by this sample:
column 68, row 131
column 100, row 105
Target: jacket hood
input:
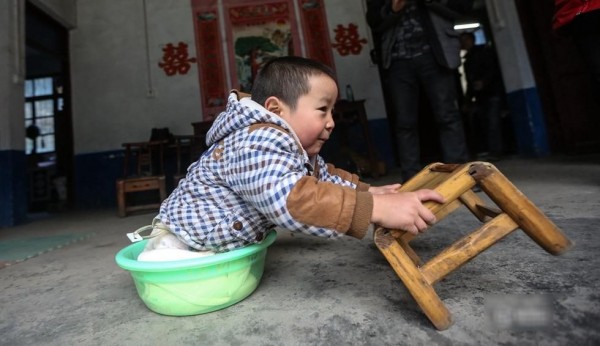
column 241, row 112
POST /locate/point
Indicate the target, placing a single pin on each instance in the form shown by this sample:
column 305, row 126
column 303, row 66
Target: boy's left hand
column 381, row 190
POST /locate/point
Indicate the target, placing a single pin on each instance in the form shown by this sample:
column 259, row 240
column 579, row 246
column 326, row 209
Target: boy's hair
column 287, row 79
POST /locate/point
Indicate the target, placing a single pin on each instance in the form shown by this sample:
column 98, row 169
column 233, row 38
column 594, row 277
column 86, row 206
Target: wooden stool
column 455, row 182
column 148, row 175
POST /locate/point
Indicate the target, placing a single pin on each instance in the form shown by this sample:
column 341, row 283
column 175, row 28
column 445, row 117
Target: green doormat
column 17, row 250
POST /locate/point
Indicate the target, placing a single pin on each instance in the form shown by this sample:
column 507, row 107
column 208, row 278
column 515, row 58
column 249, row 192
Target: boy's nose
column 330, row 124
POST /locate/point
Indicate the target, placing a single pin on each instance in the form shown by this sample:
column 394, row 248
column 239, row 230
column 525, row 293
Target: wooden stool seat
column 125, row 186
column 148, row 175
column 455, row 183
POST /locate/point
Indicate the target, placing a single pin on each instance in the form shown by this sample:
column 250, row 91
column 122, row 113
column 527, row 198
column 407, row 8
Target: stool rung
column 472, row 202
column 467, row 248
column 489, row 211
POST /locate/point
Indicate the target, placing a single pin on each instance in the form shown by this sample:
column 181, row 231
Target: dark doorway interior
column 569, row 100
column 428, row 132
column 49, row 135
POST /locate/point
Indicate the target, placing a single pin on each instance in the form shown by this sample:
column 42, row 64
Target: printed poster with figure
column 259, row 33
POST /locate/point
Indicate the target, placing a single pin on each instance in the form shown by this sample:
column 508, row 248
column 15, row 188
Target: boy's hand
column 405, row 210
column 378, row 190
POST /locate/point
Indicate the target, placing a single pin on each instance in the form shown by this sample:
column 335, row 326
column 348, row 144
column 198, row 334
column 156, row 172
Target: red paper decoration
column 175, row 59
column 347, row 40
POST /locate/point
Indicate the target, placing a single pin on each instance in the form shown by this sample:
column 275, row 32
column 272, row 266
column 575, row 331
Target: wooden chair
column 147, row 176
column 188, row 149
column 455, row 183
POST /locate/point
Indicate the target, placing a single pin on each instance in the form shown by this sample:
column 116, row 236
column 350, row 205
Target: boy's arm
column 332, row 206
column 353, row 178
column 268, row 174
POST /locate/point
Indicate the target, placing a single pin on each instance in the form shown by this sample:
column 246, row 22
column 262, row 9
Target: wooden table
column 348, row 113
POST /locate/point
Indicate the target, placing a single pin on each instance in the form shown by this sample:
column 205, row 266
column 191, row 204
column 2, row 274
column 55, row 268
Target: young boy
column 263, row 169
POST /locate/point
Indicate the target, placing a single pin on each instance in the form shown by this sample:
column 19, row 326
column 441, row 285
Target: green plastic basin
column 199, row 285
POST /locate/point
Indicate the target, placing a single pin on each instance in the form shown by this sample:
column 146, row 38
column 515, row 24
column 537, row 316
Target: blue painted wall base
column 96, row 173
column 13, row 188
column 95, row 179
column 528, row 122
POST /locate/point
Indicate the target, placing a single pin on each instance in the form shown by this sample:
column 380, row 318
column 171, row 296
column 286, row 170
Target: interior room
column 107, row 103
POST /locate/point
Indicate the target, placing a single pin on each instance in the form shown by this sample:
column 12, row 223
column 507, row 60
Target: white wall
column 119, row 97
column 356, row 70
column 119, row 91
column 12, row 69
column 63, row 11
column 12, row 63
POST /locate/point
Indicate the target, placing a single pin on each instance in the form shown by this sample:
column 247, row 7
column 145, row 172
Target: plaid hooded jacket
column 255, row 176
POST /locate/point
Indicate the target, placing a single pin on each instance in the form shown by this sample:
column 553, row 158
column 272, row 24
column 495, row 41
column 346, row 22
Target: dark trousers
column 406, row 79
column 486, row 125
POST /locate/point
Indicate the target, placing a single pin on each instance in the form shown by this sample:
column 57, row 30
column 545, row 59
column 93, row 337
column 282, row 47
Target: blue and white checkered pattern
column 238, row 188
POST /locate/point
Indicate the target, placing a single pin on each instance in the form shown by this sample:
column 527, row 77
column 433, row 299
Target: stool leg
column 121, row 198
column 455, row 184
column 420, row 178
column 413, row 279
column 403, row 238
column 162, row 188
column 512, row 201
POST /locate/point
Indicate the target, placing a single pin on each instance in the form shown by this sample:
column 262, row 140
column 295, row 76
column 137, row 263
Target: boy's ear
column 273, row 105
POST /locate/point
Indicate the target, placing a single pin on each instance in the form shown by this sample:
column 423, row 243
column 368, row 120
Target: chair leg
column 512, row 201
column 413, row 279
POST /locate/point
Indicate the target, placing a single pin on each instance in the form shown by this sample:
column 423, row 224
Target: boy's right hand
column 405, row 210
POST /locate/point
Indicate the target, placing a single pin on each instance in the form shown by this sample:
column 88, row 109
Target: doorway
column 47, row 118
column 566, row 90
column 477, row 22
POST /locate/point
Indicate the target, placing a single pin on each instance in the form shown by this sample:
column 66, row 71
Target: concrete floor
column 321, row 292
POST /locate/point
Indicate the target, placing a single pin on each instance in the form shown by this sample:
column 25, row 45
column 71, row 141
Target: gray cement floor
column 320, row 292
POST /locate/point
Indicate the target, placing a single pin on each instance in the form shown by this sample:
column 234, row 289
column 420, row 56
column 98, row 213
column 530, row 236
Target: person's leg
column 494, row 127
column 479, row 124
column 438, row 83
column 404, row 90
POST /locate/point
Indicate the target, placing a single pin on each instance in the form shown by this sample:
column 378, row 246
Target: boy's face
column 312, row 120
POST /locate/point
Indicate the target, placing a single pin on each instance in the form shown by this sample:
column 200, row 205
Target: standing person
column 263, row 169
column 580, row 19
column 483, row 97
column 420, row 50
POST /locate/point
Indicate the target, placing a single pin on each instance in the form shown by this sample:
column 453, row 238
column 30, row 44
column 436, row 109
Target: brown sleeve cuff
column 362, row 215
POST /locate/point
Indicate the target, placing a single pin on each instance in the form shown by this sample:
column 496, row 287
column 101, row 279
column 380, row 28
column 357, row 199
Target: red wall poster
column 232, row 50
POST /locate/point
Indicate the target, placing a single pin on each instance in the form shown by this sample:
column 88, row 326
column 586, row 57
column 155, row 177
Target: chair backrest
column 148, row 156
column 189, row 148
